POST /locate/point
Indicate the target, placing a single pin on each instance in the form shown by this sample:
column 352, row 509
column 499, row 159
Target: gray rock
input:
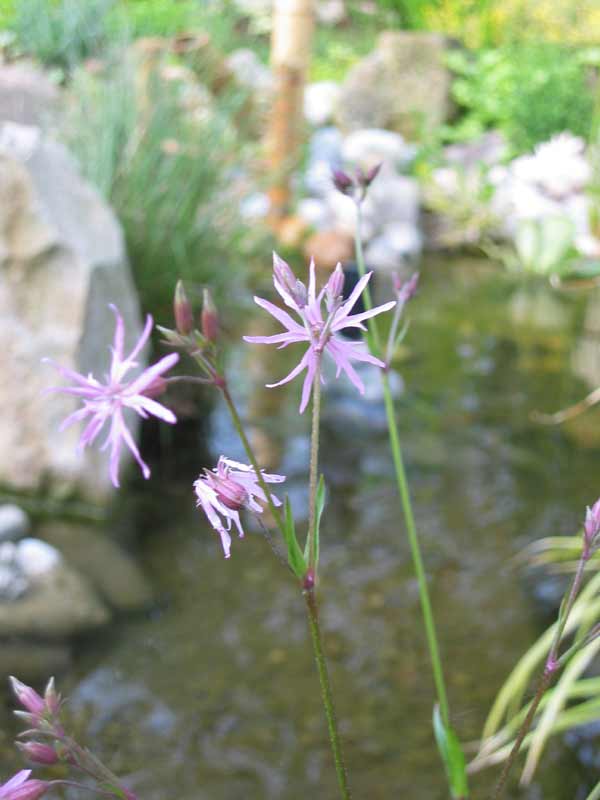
column 398, row 243
column 320, row 101
column 57, row 604
column 62, row 261
column 110, row 570
column 404, row 85
column 371, row 146
column 316, row 213
column 14, row 523
column 33, row 662
column 324, row 154
column 393, row 198
column 27, row 95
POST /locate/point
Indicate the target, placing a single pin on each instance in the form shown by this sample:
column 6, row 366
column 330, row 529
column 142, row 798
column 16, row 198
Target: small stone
column 112, row 572
column 328, row 248
column 14, row 522
column 36, row 557
column 320, row 100
column 371, row 146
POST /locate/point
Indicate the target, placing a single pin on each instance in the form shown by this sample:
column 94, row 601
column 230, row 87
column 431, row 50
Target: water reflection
column 214, row 695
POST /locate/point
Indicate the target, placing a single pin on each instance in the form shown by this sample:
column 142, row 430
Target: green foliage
column 575, row 700
column 167, row 170
column 295, row 558
column 61, row 33
column 529, row 92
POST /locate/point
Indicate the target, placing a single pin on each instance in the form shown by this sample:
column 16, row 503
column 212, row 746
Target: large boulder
column 27, row 95
column 404, row 85
column 62, row 261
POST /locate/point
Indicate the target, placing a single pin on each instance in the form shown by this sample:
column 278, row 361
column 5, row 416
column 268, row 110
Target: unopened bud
column 156, row 388
column 335, row 287
column 38, row 753
column 408, row 290
column 210, row 318
column 184, row 317
column 342, row 182
column 371, row 174
column 591, row 526
column 286, row 283
column 28, row 697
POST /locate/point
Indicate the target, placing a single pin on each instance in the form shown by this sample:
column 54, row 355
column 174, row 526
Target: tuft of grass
column 166, row 156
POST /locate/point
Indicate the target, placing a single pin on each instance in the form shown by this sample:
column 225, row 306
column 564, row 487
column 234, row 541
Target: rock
column 36, row 557
column 398, row 243
column 62, row 261
column 14, row 523
column 315, row 213
column 368, row 147
column 331, row 12
column 111, row 571
column 33, row 662
column 22, row 563
column 343, row 211
column 324, row 154
column 329, row 247
column 320, row 100
column 249, row 71
column 13, row 583
column 27, row 95
column 393, row 198
column 404, row 85
column 57, row 603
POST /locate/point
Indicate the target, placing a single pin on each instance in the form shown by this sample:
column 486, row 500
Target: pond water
column 214, row 694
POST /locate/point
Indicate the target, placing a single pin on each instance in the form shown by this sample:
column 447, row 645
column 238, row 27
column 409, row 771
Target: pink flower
column 316, row 328
column 19, row 787
column 106, row 401
column 591, row 526
column 223, row 491
column 38, row 752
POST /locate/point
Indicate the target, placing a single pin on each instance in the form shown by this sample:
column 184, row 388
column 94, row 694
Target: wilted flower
column 317, row 329
column 19, row 787
column 223, row 491
column 106, row 401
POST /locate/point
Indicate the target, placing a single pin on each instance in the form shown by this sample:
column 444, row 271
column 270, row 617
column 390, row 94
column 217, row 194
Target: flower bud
column 20, row 787
column 28, row 697
column 591, row 526
column 286, row 283
column 335, row 287
column 52, row 698
column 408, row 289
column 210, row 318
column 38, row 753
column 342, row 182
column 309, row 580
column 156, row 388
column 184, row 317
column 372, row 174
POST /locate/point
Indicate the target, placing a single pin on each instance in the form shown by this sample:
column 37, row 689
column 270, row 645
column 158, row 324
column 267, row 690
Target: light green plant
column 63, row 33
column 164, row 154
column 575, row 699
column 528, row 91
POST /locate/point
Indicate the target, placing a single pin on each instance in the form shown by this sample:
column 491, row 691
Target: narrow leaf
column 294, row 553
column 320, row 505
column 452, row 756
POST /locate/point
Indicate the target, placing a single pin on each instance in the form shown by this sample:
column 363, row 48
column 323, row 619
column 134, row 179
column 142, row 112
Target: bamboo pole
column 292, row 32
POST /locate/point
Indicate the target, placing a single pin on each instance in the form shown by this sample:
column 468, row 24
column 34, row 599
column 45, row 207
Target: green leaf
column 452, row 756
column 320, row 505
column 295, row 558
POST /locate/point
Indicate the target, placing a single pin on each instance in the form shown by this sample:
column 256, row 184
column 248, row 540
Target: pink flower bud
column 342, row 182
column 156, row 388
column 38, row 753
column 28, row 697
column 184, row 317
column 591, row 526
column 309, row 580
column 372, row 174
column 51, row 696
column 335, row 287
column 210, row 318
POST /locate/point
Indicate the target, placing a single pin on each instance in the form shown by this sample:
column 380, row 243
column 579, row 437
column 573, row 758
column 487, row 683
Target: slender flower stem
column 430, row 631
column 314, row 466
column 551, row 667
column 237, row 422
column 326, row 696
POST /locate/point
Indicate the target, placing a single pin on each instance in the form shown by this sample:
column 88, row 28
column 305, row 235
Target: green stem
column 430, row 631
column 595, row 793
column 314, row 465
column 237, row 422
column 326, row 696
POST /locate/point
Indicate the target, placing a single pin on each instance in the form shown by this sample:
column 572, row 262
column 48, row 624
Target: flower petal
column 280, row 315
column 296, row 371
